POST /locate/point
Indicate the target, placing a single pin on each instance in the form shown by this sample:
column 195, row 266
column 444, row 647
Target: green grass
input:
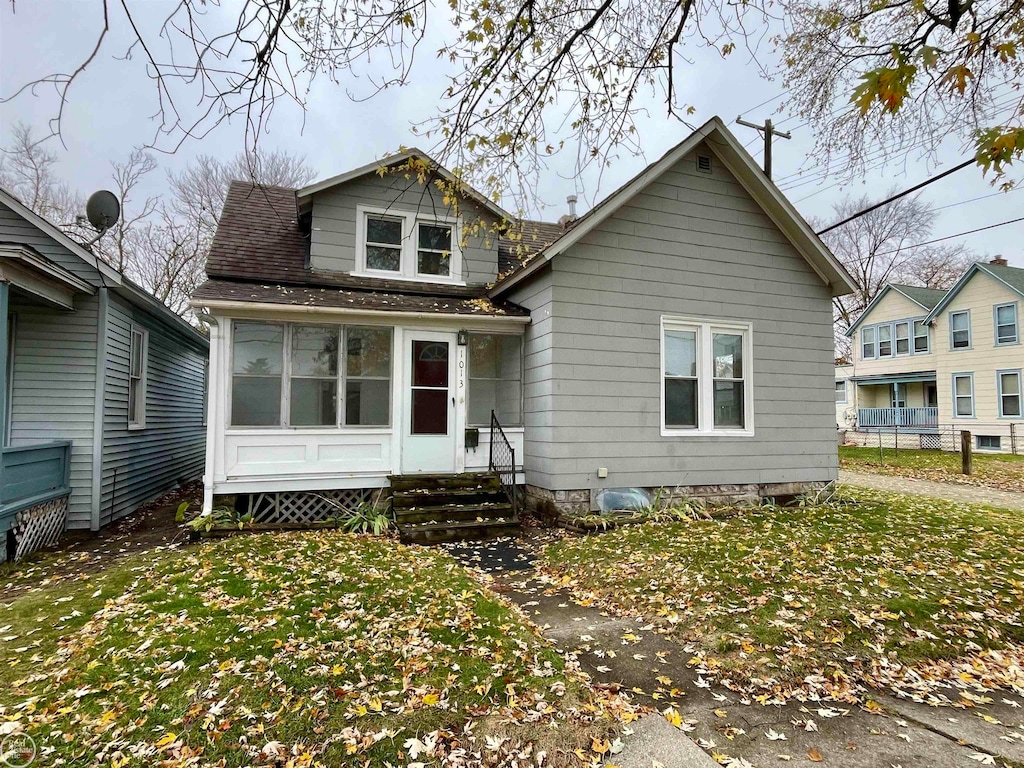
column 319, row 646
column 1001, row 470
column 855, row 591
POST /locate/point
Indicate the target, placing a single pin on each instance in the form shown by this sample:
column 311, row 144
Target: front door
column 428, row 429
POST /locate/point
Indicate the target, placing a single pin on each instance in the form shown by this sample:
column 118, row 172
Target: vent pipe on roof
column 999, row 261
column 571, row 200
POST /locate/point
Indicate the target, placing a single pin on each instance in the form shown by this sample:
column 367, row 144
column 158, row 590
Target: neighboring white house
column 930, row 360
column 678, row 335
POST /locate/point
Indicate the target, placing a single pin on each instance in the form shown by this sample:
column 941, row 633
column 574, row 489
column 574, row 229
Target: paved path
column 966, row 494
column 625, row 651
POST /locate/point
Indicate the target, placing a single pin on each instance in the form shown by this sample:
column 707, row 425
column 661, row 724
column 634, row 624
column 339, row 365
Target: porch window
column 495, row 379
column 706, row 378
column 867, row 349
column 885, row 341
column 138, row 354
column 367, row 377
column 257, row 366
column 920, row 337
column 1006, row 323
column 960, row 329
column 314, row 376
column 840, row 391
column 1009, row 393
column 963, row 395
column 902, row 338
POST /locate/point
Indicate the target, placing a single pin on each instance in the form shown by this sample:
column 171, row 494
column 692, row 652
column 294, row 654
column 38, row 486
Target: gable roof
column 1011, row 277
column 308, row 191
column 742, row 166
column 925, row 298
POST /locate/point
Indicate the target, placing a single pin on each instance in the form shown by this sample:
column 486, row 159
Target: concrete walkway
column 956, row 492
column 625, row 651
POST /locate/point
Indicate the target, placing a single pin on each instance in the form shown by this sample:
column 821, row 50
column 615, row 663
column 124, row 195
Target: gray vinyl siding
column 139, row 464
column 54, row 377
column 14, row 229
column 333, row 236
column 693, row 245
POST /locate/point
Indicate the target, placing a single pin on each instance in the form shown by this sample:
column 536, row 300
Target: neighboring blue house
column 102, row 408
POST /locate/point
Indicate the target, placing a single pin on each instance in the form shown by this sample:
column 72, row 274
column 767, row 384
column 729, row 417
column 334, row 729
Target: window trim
column 846, row 390
column 891, row 340
column 135, row 421
column 874, row 342
column 896, row 338
column 408, row 264
column 705, row 329
column 980, row 447
column 914, row 337
column 341, row 378
column 995, row 324
column 955, row 376
column 1019, row 393
column 970, row 333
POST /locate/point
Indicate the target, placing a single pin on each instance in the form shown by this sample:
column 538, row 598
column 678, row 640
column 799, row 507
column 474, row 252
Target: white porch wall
column 268, row 459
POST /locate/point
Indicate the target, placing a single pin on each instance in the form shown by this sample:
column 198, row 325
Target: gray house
column 369, row 332
column 105, row 387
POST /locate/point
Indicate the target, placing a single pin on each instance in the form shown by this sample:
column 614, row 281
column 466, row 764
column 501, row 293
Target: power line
column 897, row 196
column 950, row 237
column 975, row 199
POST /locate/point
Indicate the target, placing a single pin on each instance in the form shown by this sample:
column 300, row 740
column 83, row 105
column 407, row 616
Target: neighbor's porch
column 909, row 401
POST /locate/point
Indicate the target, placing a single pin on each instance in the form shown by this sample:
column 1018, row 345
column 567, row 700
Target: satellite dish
column 103, row 210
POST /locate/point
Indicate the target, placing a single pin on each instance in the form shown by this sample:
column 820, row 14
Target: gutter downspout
column 99, row 408
column 212, row 399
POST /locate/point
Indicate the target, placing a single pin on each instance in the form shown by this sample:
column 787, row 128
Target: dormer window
column 405, row 245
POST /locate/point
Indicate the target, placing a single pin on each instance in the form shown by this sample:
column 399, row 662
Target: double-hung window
column 867, row 346
column 963, row 395
column 1009, row 393
column 840, row 391
column 407, row 246
column 138, row 358
column 706, row 377
column 1006, row 323
column 903, row 338
column 960, row 329
column 495, row 379
column 920, row 337
column 885, row 341
column 291, row 375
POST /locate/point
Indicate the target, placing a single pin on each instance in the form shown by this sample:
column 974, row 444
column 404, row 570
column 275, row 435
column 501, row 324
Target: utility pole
column 769, row 132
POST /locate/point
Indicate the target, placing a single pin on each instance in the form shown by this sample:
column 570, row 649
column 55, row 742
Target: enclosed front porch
column 906, row 402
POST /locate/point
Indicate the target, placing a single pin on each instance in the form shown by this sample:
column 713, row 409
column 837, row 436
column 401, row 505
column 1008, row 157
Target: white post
column 214, row 415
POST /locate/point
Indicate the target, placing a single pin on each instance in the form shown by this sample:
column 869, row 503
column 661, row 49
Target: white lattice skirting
column 304, row 507
column 39, row 526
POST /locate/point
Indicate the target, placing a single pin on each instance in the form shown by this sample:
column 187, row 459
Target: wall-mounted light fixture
column 463, row 338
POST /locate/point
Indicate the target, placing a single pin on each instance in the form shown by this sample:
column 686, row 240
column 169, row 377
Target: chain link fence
column 996, row 438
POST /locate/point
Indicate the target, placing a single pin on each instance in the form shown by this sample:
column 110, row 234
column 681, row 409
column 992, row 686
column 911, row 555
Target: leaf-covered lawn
column 292, row 650
column 1003, row 470
column 878, row 589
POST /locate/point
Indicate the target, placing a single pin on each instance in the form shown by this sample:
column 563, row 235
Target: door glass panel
column 430, row 411
column 430, row 364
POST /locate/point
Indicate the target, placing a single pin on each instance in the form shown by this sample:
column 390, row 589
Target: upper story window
column 707, row 382
column 138, row 360
column 903, row 338
column 960, row 329
column 885, row 341
column 407, row 246
column 1006, row 323
column 920, row 337
column 867, row 339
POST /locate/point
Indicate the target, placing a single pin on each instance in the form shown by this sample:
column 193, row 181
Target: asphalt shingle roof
column 926, row 297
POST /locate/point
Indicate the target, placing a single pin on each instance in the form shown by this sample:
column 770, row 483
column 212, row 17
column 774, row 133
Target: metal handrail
column 502, row 461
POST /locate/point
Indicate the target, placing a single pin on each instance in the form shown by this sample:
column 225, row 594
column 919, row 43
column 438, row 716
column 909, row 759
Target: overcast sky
column 110, row 111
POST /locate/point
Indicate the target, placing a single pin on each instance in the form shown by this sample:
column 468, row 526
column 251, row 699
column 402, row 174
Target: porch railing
column 33, row 474
column 920, row 418
column 502, row 461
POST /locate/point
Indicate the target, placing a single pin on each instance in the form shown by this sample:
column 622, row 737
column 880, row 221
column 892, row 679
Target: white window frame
column 970, row 333
column 409, row 246
column 705, row 328
column 1019, row 394
column 995, row 324
column 846, row 389
column 137, row 420
column 956, row 411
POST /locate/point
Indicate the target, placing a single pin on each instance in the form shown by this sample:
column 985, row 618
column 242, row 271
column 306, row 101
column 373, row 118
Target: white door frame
column 409, row 460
